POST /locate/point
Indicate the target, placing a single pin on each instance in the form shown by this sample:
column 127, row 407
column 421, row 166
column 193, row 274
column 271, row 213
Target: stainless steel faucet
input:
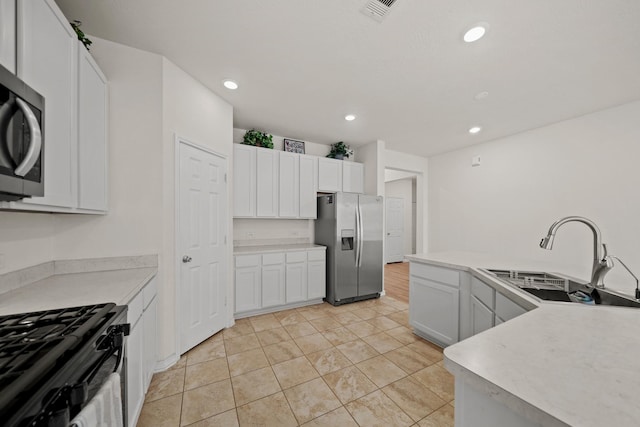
column 602, row 263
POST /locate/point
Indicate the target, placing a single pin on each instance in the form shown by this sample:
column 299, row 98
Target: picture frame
column 293, row 146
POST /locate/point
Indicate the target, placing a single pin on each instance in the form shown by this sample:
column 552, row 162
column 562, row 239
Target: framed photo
column 294, row 146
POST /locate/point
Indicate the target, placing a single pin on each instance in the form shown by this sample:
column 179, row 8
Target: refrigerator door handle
column 359, row 225
column 357, row 235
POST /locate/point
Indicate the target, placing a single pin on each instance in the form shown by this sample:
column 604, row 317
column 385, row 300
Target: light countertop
column 559, row 364
column 247, row 250
column 75, row 289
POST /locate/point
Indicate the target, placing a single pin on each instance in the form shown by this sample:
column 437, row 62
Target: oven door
column 21, row 139
column 81, row 379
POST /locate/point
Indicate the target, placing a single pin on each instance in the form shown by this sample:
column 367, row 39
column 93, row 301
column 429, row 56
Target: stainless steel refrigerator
column 350, row 226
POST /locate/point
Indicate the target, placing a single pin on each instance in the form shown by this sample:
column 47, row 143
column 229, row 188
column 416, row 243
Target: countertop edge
column 510, row 400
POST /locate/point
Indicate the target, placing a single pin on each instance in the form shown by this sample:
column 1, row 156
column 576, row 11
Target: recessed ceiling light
column 230, row 84
column 475, row 130
column 476, row 32
column 349, row 117
column 481, row 95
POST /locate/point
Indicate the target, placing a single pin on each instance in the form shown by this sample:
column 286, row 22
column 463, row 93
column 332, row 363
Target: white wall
column 192, row 112
column 402, row 188
column 26, row 239
column 409, row 162
column 585, row 166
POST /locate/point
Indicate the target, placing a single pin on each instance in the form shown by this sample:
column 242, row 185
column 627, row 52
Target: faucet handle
column 605, row 251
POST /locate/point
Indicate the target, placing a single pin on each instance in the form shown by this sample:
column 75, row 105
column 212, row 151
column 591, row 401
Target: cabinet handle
column 186, row 259
column 36, row 140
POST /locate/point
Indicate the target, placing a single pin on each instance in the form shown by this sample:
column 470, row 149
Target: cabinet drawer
column 149, row 292
column 134, row 309
column 442, row 275
column 271, row 259
column 248, row 260
column 483, row 292
column 296, row 256
column 507, row 309
column 316, row 255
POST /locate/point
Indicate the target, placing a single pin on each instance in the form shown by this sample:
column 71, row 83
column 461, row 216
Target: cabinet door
column 481, row 316
column 316, row 277
column 507, row 309
column 92, row 133
column 8, row 34
column 289, row 185
column 149, row 319
column 308, row 186
column 266, row 183
column 244, row 181
column 434, row 309
column 352, row 177
column 273, row 285
column 135, row 373
column 296, row 282
column 47, row 61
column 329, row 175
column 248, row 288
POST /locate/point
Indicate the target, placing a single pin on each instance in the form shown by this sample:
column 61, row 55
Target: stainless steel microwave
column 21, row 139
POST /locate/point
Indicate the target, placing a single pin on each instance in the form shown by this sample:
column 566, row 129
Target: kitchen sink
column 552, row 287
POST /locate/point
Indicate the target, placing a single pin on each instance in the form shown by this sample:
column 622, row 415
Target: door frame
column 177, row 262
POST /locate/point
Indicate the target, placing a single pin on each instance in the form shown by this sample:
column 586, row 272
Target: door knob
column 186, row 259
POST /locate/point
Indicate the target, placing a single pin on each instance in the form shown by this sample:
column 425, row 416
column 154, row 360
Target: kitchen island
column 558, row 364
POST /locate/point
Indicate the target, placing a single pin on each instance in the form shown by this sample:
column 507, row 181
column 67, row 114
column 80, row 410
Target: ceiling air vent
column 378, row 9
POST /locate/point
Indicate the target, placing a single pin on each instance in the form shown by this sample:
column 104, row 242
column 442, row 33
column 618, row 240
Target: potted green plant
column 340, row 150
column 258, row 139
column 81, row 36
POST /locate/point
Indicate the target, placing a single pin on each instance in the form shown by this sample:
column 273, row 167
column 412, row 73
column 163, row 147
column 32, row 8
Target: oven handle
column 33, row 153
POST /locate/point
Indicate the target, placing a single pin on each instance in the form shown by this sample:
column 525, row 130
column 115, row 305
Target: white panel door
column 201, row 244
column 289, row 185
column 244, row 180
column 248, row 285
column 438, row 310
column 394, row 239
column 8, row 34
column 92, row 133
column 481, row 316
column 266, row 183
column 316, row 276
column 47, row 61
column 308, row 186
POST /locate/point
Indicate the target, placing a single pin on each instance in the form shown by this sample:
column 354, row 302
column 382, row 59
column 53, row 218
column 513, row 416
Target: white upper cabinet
column 339, row 175
column 329, row 175
column 274, row 184
column 244, row 180
column 266, row 183
column 289, row 185
column 308, row 186
column 8, row 34
column 352, row 177
column 52, row 61
column 47, row 61
column 92, row 133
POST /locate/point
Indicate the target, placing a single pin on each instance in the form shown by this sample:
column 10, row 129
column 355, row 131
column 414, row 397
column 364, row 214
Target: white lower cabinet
column 447, row 305
column 316, row 275
column 273, row 278
column 248, row 283
column 296, row 277
column 141, row 348
column 270, row 281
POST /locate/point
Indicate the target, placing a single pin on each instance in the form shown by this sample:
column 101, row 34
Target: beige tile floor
column 354, row 365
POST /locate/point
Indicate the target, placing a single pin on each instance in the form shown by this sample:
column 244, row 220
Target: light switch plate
column 475, row 161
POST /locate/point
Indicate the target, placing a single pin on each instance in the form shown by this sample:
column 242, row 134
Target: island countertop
column 559, row 364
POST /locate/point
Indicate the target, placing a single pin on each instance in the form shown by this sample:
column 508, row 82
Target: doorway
column 202, row 217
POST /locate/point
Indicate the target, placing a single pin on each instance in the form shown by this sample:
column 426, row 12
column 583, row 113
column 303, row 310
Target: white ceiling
column 411, row 80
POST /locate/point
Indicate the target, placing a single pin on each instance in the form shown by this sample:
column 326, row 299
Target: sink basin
column 552, row 287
